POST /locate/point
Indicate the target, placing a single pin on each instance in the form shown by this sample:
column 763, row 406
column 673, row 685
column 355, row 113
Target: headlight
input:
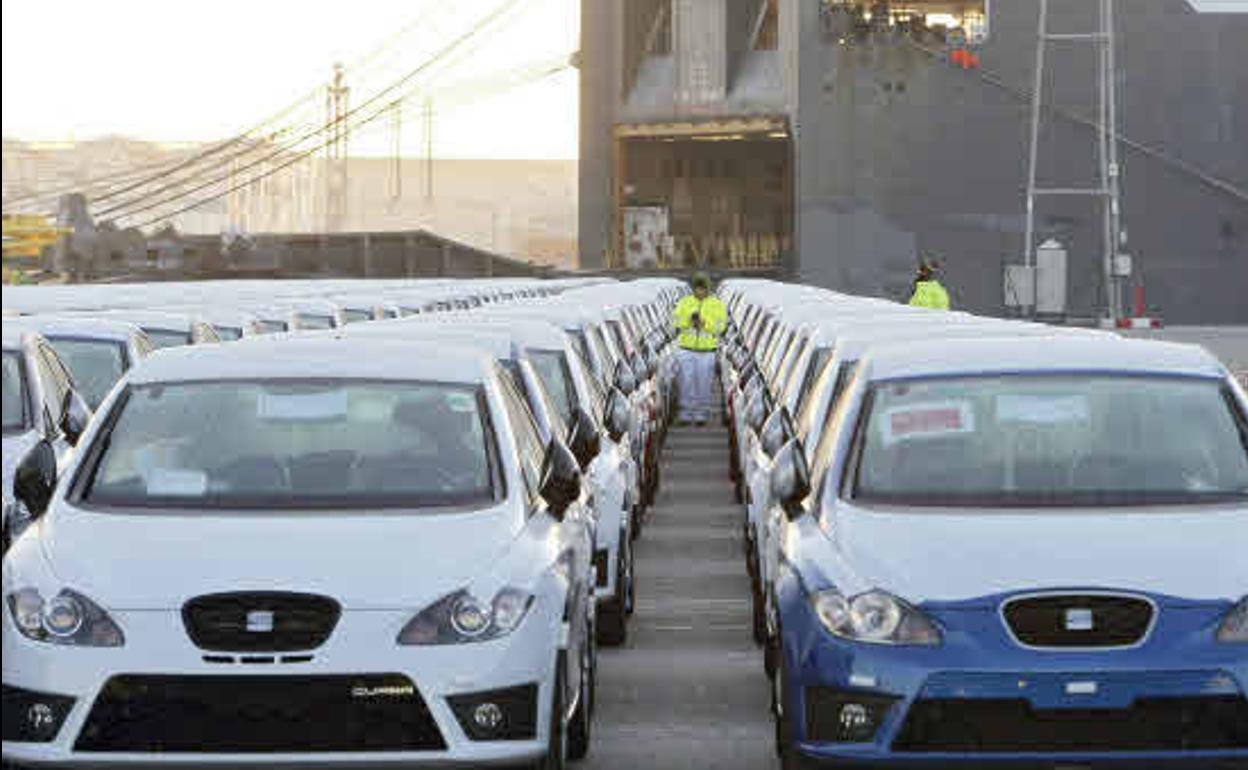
column 875, row 617
column 1234, row 629
column 68, row 618
column 461, row 618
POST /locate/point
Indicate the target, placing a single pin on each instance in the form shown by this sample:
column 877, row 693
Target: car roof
column 313, row 356
column 1085, row 353
column 87, row 327
column 493, row 340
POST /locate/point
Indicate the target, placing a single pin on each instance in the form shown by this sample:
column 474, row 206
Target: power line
column 446, row 50
column 540, row 72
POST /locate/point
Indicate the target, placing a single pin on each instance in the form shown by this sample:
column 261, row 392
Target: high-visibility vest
column 930, row 294
column 714, row 319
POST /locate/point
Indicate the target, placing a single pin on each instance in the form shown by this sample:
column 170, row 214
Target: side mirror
column 777, row 431
column 75, row 414
column 625, row 378
column 790, row 478
column 584, row 439
column 757, row 409
column 640, row 370
column 617, row 414
column 34, row 479
column 561, row 478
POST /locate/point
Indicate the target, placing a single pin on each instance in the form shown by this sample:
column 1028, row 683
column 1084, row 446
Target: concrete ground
column 688, row 689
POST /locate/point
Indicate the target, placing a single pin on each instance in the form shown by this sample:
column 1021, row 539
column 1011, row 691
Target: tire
column 630, row 597
column 638, row 515
column 580, row 726
column 758, row 618
column 556, row 742
column 781, row 700
column 613, row 614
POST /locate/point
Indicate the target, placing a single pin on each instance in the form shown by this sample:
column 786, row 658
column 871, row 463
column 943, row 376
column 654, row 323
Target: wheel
column 613, row 613
column 557, row 740
column 580, row 726
column 638, row 516
column 630, row 579
column 758, row 619
column 786, row 744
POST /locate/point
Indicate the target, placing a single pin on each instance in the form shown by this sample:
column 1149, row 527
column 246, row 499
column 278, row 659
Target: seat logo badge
column 260, row 622
column 1079, row 619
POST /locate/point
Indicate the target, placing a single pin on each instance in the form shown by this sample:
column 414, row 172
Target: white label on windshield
column 461, row 402
column 1042, row 409
column 176, row 482
column 927, row 420
column 326, row 405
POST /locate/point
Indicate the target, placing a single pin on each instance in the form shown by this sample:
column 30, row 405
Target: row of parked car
column 974, row 540
column 398, row 540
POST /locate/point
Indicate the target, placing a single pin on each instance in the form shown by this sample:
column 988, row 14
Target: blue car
column 1018, row 553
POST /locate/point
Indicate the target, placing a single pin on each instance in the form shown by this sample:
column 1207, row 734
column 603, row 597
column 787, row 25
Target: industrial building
column 839, row 141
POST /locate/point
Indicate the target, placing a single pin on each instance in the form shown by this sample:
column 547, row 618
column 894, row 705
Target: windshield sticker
column 928, row 420
column 176, row 482
column 326, row 405
column 1040, row 409
column 463, row 403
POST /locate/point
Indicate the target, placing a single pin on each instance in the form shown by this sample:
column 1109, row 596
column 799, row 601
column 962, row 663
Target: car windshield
column 1026, row 440
column 273, row 327
column 96, row 365
column 228, row 333
column 15, row 414
column 167, row 338
column 286, row 444
column 552, row 370
column 355, row 315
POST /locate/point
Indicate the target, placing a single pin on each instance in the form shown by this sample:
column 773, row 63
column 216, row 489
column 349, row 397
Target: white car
column 342, row 552
column 44, row 416
column 97, row 351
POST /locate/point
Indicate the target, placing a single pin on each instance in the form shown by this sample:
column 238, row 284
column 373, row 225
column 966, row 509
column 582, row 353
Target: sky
column 81, row 69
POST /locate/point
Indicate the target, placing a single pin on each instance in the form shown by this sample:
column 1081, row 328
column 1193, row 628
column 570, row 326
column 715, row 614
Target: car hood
column 378, row 561
column 936, row 556
column 15, row 447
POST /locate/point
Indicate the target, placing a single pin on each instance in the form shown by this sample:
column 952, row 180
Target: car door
column 574, row 541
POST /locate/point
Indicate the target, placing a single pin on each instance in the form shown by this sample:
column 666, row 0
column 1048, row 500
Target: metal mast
column 1108, row 169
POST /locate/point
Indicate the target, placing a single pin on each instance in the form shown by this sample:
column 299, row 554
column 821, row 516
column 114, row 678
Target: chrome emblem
column 1079, row 619
column 260, row 622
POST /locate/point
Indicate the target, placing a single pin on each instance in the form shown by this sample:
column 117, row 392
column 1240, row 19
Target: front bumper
column 360, row 661
column 981, row 700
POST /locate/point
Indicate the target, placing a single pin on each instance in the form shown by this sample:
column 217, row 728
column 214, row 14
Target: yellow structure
column 26, row 235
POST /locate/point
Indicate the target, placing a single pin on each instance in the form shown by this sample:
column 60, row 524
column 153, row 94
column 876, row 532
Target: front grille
column 260, row 621
column 258, row 714
column 1079, row 620
column 1161, row 724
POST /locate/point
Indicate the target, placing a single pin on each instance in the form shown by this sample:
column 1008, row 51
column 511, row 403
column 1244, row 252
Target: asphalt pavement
column 688, row 689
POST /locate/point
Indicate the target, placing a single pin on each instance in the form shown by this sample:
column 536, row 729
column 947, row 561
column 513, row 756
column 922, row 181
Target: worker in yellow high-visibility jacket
column 700, row 319
column 927, row 290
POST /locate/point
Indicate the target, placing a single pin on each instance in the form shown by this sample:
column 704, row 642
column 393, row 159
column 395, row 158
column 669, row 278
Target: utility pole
column 336, row 154
column 428, row 119
column 396, row 159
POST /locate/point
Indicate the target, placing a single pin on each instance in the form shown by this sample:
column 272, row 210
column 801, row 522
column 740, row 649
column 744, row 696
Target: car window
column 273, row 327
column 54, row 384
column 529, row 450
column 167, row 338
column 315, row 321
column 355, row 315
column 16, row 398
column 295, row 445
column 818, row 361
column 552, row 369
column 96, row 365
column 1052, row 441
column 228, row 333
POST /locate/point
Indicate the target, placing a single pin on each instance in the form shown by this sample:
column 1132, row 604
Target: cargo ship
column 838, row 143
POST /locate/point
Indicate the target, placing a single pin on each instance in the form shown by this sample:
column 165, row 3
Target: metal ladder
column 1107, row 149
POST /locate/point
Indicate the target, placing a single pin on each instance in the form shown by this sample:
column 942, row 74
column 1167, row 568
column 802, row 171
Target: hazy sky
column 206, row 70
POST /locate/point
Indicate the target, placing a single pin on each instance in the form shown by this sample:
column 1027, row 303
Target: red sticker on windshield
column 924, row 420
